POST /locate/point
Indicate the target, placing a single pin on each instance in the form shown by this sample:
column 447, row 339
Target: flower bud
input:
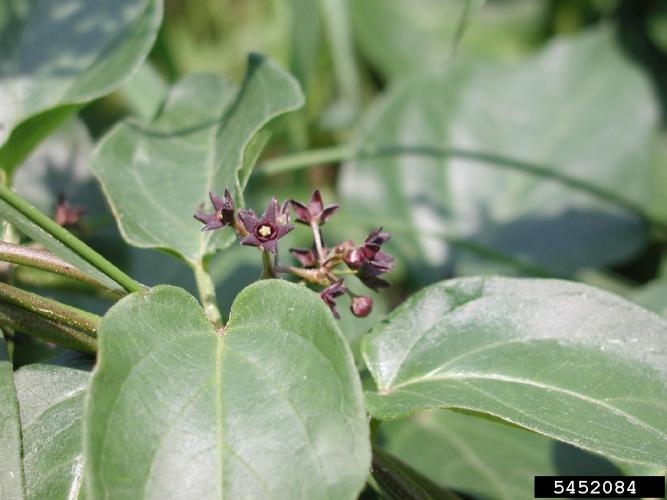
column 361, row 306
column 354, row 258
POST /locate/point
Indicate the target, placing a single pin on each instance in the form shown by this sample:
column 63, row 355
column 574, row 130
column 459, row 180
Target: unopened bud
column 354, row 258
column 361, row 306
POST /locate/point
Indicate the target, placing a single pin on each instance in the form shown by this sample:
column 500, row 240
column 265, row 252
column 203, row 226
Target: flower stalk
column 206, row 289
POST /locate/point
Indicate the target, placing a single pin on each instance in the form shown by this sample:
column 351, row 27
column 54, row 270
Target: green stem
column 206, row 289
column 318, row 242
column 49, row 309
column 40, row 327
column 69, row 240
column 268, row 271
column 304, row 159
column 343, row 153
column 43, row 259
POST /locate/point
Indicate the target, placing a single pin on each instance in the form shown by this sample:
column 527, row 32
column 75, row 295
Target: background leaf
column 51, row 402
column 548, row 161
column 484, row 458
column 59, row 54
column 11, row 472
column 272, row 408
column 390, row 32
column 156, row 176
column 563, row 359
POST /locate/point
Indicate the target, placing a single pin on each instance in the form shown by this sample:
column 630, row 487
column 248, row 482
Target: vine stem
column 305, row 159
column 40, row 258
column 268, row 270
column 33, row 324
column 69, row 240
column 206, row 289
column 49, row 309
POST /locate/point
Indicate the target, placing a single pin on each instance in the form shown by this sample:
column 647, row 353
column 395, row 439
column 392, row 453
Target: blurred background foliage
column 514, row 137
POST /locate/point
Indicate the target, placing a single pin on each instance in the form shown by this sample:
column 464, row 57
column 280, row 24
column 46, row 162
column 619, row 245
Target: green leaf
column 51, row 402
column 483, row 458
column 549, row 161
column 390, row 32
column 11, row 472
column 156, row 176
column 563, row 359
column 60, row 54
column 271, row 409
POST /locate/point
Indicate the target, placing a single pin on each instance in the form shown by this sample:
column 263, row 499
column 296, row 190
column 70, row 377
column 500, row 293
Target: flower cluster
column 319, row 265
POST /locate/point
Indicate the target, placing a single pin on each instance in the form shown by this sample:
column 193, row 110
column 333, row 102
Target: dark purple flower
column 264, row 232
column 369, row 277
column 373, row 243
column 329, row 295
column 370, row 261
column 315, row 211
column 361, row 306
column 307, row 258
column 68, row 215
column 223, row 215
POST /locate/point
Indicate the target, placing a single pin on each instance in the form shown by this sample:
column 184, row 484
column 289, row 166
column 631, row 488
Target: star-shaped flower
column 315, row 211
column 329, row 295
column 370, row 261
column 223, row 215
column 264, row 232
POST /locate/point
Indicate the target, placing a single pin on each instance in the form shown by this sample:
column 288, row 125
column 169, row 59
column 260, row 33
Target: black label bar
column 599, row 486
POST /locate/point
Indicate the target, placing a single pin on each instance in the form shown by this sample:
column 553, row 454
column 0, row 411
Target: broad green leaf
column 401, row 37
column 156, row 176
column 560, row 358
column 271, row 409
column 11, row 472
column 51, row 403
column 56, row 55
column 483, row 458
column 548, row 161
column 144, row 93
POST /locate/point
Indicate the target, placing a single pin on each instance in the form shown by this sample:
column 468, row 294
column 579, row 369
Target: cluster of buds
column 319, row 265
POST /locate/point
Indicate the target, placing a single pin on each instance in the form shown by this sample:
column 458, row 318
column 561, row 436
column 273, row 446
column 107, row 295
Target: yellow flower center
column 265, row 231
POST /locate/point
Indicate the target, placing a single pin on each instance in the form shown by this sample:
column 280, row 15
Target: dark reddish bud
column 361, row 306
column 68, row 215
column 354, row 258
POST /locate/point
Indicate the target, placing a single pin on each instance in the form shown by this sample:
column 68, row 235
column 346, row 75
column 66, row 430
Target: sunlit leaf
column 560, row 358
column 59, row 54
column 156, row 176
column 272, row 408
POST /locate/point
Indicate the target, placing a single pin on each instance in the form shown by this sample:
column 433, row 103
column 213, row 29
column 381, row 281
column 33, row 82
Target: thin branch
column 40, row 327
column 49, row 309
column 40, row 258
column 69, row 240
